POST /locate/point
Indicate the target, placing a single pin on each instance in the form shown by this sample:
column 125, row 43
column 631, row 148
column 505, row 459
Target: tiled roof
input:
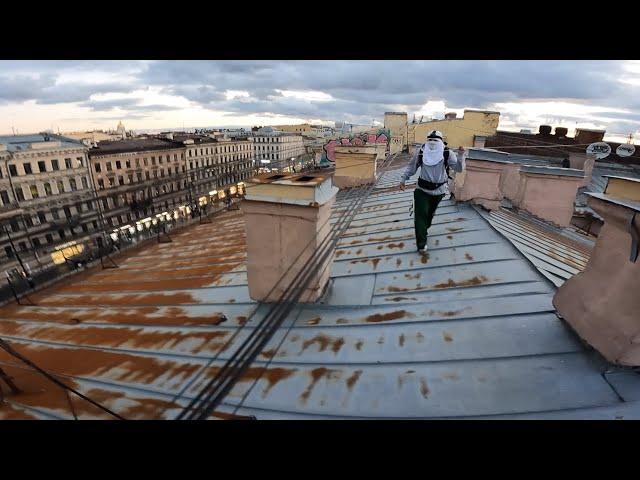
column 469, row 331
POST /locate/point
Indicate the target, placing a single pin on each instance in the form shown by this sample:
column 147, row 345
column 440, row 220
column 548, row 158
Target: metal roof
column 467, row 332
column 557, row 258
column 21, row 143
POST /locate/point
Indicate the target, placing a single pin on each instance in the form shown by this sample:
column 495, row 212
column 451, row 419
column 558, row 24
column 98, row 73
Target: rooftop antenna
column 630, row 138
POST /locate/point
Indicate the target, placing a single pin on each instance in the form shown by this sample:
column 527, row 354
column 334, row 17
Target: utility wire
column 229, row 374
column 6, row 347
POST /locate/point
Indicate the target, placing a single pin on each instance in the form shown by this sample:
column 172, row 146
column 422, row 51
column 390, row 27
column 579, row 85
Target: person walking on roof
column 434, row 161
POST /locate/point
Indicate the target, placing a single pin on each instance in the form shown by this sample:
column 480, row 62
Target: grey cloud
column 362, row 90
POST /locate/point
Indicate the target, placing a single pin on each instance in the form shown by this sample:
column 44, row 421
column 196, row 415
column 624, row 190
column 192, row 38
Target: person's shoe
column 422, row 251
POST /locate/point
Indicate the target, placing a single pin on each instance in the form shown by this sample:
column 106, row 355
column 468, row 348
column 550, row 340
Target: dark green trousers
column 424, row 208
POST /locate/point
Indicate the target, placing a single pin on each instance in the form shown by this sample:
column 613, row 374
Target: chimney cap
column 297, row 189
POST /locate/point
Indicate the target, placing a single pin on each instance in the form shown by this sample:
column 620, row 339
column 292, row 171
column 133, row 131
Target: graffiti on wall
column 329, row 148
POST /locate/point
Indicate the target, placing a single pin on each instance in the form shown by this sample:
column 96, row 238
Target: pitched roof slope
column 469, row 331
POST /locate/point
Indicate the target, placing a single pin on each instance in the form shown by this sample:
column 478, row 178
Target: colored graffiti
column 382, row 136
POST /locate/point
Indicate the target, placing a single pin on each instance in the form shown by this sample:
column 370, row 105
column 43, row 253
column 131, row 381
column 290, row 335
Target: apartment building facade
column 136, row 178
column 47, row 205
column 276, row 149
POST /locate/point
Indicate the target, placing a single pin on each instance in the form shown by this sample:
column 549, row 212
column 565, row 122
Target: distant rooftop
column 17, row 143
column 133, row 145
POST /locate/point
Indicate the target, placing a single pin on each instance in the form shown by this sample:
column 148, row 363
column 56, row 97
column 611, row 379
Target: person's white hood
column 432, row 152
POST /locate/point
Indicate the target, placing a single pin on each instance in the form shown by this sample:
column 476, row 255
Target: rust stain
column 454, row 229
column 463, row 283
column 395, row 245
column 398, row 262
column 375, row 262
column 450, row 237
column 316, row 375
column 400, row 299
column 419, row 337
column 424, row 258
column 397, row 289
column 447, row 337
column 241, row 320
column 115, row 337
column 351, row 381
column 468, row 257
column 313, row 321
column 408, row 276
column 380, row 340
column 451, row 376
column 271, row 375
column 323, row 342
column 359, row 345
column 359, row 251
column 386, row 317
column 268, row 353
column 437, row 242
column 401, row 340
column 424, row 388
column 341, row 321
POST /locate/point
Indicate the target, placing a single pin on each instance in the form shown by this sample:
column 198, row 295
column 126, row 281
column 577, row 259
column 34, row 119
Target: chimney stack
column 356, row 165
column 286, row 222
column 544, row 130
column 602, row 303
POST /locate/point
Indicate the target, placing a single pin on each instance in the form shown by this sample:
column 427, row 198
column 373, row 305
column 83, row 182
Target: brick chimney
column 602, row 303
column 481, row 181
column 286, row 216
column 549, row 192
column 356, row 165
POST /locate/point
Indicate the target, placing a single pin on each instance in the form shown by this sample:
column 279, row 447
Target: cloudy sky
column 81, row 95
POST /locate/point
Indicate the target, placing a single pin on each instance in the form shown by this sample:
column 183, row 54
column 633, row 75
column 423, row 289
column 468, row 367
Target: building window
column 67, row 163
column 98, row 168
column 80, row 161
column 55, row 214
column 128, row 163
column 54, row 165
column 47, row 189
column 130, row 177
column 72, row 184
column 42, row 217
column 49, row 238
column 101, row 184
column 28, row 222
column 153, row 160
column 89, row 206
column 111, row 181
column 34, row 191
column 85, row 229
column 108, row 164
column 85, row 184
column 121, row 180
column 61, row 233
column 23, row 246
column 60, row 184
column 4, row 196
column 147, row 176
column 27, row 168
column 118, row 165
column 8, row 251
column 13, row 171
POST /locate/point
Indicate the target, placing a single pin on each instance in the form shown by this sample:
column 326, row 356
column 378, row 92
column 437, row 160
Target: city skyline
column 150, row 95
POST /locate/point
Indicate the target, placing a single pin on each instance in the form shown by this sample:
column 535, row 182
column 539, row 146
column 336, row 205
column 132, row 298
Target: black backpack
column 446, row 160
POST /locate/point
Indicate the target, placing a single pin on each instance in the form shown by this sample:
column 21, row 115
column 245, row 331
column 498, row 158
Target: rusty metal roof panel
column 469, row 331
